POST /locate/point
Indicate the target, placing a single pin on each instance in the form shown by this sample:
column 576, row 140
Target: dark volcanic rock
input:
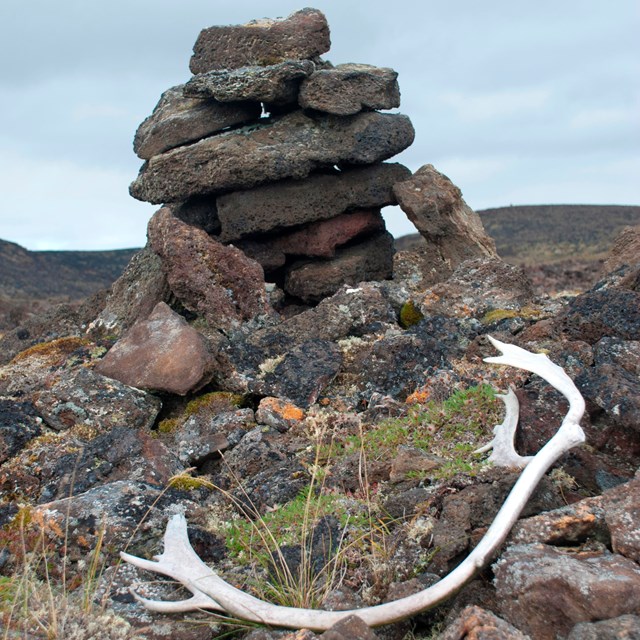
column 160, row 353
column 275, row 84
column 288, row 147
column 294, row 202
column 370, row 259
column 613, row 382
column 217, row 282
column 19, row 424
column 179, row 119
column 84, row 397
column 610, row 312
column 350, row 88
column 303, row 35
column 545, row 591
column 452, row 229
column 304, row 372
column 199, row 211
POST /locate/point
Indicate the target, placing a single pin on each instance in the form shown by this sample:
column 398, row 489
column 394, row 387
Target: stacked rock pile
column 271, row 149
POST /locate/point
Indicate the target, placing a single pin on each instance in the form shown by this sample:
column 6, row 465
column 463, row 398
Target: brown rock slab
column 476, row 287
column 371, row 259
column 290, row 203
column 350, row 628
column 350, row 88
column 625, row 250
column 160, row 353
column 303, row 35
column 317, row 239
column 215, row 281
column 287, row 147
column 179, row 119
column 545, row 591
column 436, row 207
column 276, row 84
column 475, row 623
column 622, row 515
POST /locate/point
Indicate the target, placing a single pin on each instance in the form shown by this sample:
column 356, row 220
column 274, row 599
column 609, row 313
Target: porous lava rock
column 215, row 281
column 290, row 146
column 475, row 623
column 349, row 88
column 452, row 229
column 303, row 35
column 160, row 353
column 19, row 423
column 290, row 203
column 545, row 591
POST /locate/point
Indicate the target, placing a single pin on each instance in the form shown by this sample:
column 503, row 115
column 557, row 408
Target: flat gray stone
column 276, row 84
column 178, row 119
column 288, row 147
column 350, row 88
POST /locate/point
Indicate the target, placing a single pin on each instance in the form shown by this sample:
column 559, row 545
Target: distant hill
column 69, row 275
column 542, row 234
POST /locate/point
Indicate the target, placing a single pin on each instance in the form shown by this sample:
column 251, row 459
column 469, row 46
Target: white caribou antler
column 180, row 562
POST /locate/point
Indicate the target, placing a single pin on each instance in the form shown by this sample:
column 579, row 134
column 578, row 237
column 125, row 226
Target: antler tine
column 198, row 578
column 198, row 601
column 504, row 453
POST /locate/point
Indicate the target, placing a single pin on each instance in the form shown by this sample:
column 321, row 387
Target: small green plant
column 452, row 430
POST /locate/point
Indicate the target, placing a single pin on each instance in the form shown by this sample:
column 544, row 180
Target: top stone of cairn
column 303, row 35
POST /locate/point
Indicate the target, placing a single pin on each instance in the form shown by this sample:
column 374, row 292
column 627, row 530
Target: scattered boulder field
column 269, row 359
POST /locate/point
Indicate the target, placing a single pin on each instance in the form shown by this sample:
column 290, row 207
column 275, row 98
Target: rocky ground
column 312, row 402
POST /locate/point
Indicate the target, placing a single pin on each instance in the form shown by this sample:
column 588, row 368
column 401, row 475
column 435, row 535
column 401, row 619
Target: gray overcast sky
column 517, row 102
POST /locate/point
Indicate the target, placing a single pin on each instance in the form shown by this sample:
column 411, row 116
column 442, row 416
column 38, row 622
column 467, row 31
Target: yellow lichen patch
column 215, row 402
column 495, row 315
column 55, row 350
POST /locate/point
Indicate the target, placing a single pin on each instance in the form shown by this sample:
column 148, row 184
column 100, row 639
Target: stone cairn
column 279, row 153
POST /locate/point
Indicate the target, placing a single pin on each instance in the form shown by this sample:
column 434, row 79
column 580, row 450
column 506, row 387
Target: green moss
column 410, row 314
column 452, row 430
column 188, row 483
column 215, row 399
column 168, row 425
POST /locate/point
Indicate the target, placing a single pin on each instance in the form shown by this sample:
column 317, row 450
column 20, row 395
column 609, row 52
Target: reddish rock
column 452, row 229
column 317, row 239
column 294, row 202
column 215, row 281
column 160, row 353
column 275, row 84
column 622, row 515
column 303, row 35
column 351, row 628
column 287, row 147
column 178, row 119
column 625, row 250
column 545, row 591
column 475, row 623
column 371, row 259
column 350, row 88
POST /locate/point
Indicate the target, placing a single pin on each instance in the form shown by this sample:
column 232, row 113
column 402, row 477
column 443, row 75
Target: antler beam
column 180, row 562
